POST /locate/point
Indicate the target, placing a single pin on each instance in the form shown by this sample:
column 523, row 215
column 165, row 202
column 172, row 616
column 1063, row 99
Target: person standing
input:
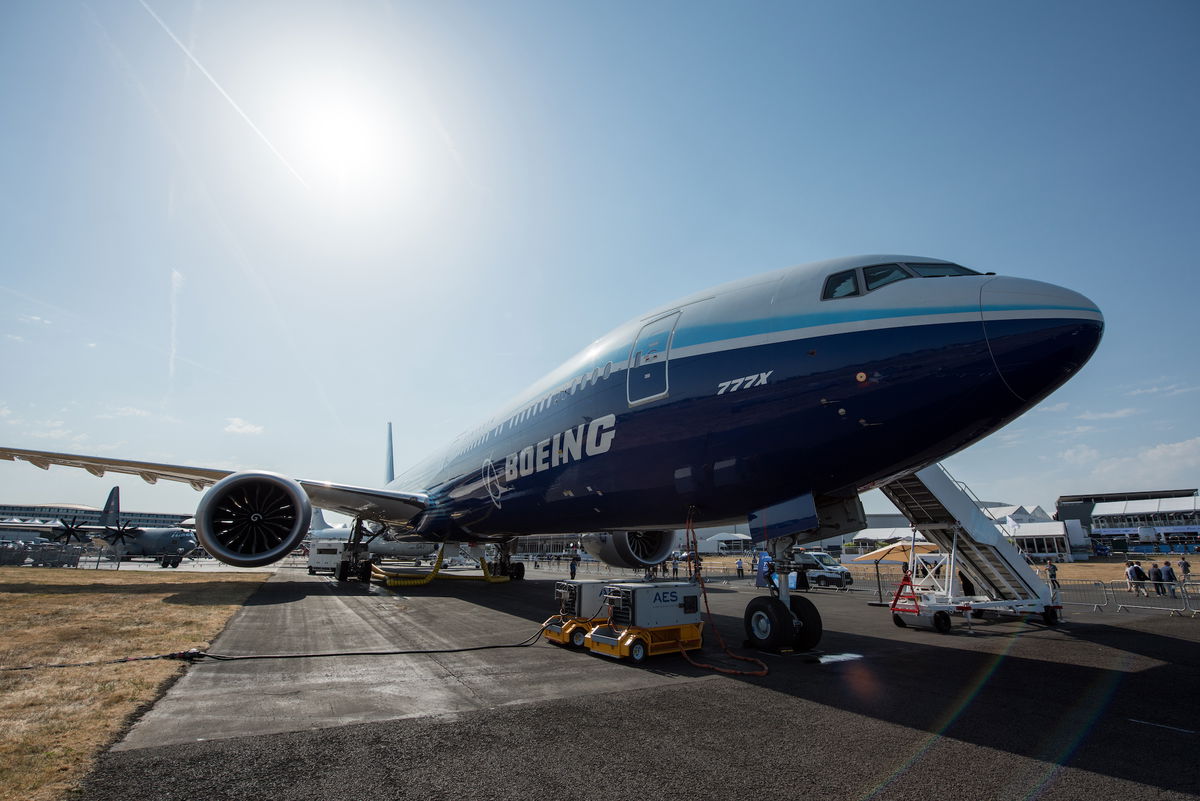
column 675, row 566
column 574, row 565
column 1169, row 579
column 1052, row 574
column 740, row 568
column 1185, row 568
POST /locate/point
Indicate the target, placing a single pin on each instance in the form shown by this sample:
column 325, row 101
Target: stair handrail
column 1008, row 535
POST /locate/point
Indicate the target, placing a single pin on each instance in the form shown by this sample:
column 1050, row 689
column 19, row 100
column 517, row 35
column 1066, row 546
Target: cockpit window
column 883, row 275
column 939, row 270
column 841, row 285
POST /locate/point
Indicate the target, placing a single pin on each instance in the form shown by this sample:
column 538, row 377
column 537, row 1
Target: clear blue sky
column 248, row 234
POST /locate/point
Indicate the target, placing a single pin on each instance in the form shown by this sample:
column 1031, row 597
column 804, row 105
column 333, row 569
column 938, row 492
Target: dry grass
column 54, row 721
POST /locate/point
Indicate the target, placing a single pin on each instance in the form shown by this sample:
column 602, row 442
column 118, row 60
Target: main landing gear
column 356, row 558
column 504, row 565
column 782, row 620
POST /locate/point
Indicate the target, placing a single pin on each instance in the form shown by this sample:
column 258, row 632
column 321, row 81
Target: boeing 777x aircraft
column 796, row 389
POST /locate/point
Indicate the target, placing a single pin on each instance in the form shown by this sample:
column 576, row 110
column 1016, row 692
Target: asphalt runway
column 1104, row 706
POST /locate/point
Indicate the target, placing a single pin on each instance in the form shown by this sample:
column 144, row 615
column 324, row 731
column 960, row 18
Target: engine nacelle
column 252, row 519
column 633, row 549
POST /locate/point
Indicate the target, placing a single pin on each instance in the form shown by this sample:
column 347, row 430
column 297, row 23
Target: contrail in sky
column 224, row 94
column 176, row 286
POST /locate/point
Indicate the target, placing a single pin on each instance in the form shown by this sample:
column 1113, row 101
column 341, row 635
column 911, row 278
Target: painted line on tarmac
column 1162, row 726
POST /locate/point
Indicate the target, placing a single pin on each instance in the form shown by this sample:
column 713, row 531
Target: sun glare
column 342, row 140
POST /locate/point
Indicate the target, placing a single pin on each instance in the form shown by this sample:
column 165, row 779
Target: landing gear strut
column 505, row 566
column 356, row 559
column 783, row 620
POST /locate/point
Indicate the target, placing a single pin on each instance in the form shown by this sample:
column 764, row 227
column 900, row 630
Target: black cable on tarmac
column 196, row 655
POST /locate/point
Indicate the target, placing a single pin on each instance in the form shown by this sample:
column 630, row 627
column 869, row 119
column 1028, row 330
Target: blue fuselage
column 750, row 394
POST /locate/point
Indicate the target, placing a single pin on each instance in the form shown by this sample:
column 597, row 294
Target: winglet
column 390, row 470
column 111, row 516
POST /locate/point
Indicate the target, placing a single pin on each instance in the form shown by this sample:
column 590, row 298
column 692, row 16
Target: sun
column 340, row 138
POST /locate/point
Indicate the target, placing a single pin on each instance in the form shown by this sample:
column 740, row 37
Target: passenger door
column 646, row 376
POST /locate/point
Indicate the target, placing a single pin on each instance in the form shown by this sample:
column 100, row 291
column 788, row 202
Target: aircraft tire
column 941, row 621
column 364, row 572
column 1050, row 617
column 768, row 623
column 342, row 572
column 807, row 624
column 516, row 571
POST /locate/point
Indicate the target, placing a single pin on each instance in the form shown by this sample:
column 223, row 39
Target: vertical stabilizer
column 318, row 521
column 112, row 509
column 390, row 470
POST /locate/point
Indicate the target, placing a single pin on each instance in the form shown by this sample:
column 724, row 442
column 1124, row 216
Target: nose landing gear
column 782, row 620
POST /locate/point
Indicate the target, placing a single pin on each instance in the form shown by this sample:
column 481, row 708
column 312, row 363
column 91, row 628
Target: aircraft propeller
column 119, row 533
column 69, row 531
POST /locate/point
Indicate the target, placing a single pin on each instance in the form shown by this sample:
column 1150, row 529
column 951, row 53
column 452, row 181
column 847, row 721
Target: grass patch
column 54, row 721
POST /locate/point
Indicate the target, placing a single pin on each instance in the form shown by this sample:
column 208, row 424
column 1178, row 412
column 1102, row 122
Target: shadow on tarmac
column 1091, row 695
column 203, row 593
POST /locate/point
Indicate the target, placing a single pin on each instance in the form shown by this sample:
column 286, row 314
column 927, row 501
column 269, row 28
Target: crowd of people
column 1164, row 577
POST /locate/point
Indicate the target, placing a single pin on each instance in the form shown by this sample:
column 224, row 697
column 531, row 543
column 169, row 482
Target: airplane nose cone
column 1039, row 334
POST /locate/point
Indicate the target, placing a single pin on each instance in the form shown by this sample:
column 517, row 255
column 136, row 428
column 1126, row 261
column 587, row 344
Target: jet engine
column 252, row 519
column 634, row 549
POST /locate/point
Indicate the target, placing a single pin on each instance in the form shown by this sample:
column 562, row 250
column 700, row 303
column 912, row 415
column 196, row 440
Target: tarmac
column 1102, row 706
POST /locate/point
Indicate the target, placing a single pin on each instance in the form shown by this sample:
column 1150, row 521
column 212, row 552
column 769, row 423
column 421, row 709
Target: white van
column 823, row 570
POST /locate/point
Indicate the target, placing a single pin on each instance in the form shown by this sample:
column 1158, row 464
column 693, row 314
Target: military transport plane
column 802, row 387
column 169, row 543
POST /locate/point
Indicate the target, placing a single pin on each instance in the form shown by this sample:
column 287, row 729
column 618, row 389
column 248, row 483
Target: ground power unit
column 581, row 606
column 646, row 619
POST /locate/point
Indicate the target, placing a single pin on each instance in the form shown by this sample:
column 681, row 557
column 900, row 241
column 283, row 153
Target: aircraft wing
column 150, row 472
column 366, row 502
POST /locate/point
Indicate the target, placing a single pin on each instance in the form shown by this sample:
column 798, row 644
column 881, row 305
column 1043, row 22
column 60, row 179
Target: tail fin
column 111, row 516
column 318, row 521
column 390, row 470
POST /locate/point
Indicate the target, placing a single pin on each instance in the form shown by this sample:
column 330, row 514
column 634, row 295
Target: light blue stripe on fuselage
column 701, row 340
column 719, row 332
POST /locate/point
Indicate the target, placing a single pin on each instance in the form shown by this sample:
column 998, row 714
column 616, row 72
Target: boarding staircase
column 946, row 515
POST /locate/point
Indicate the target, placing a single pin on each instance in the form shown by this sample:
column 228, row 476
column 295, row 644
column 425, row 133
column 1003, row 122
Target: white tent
column 870, row 535
column 731, row 540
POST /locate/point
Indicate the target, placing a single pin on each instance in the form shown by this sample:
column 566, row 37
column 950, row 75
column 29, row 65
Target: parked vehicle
column 823, row 570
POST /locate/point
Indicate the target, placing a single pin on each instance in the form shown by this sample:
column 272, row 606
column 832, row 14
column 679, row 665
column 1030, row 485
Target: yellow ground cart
column 647, row 619
column 581, row 607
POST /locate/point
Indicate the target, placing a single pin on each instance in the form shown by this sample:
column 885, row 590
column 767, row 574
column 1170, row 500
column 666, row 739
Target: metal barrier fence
column 1176, row 598
column 1179, row 598
column 880, row 579
column 91, row 557
column 1158, row 596
column 1083, row 592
